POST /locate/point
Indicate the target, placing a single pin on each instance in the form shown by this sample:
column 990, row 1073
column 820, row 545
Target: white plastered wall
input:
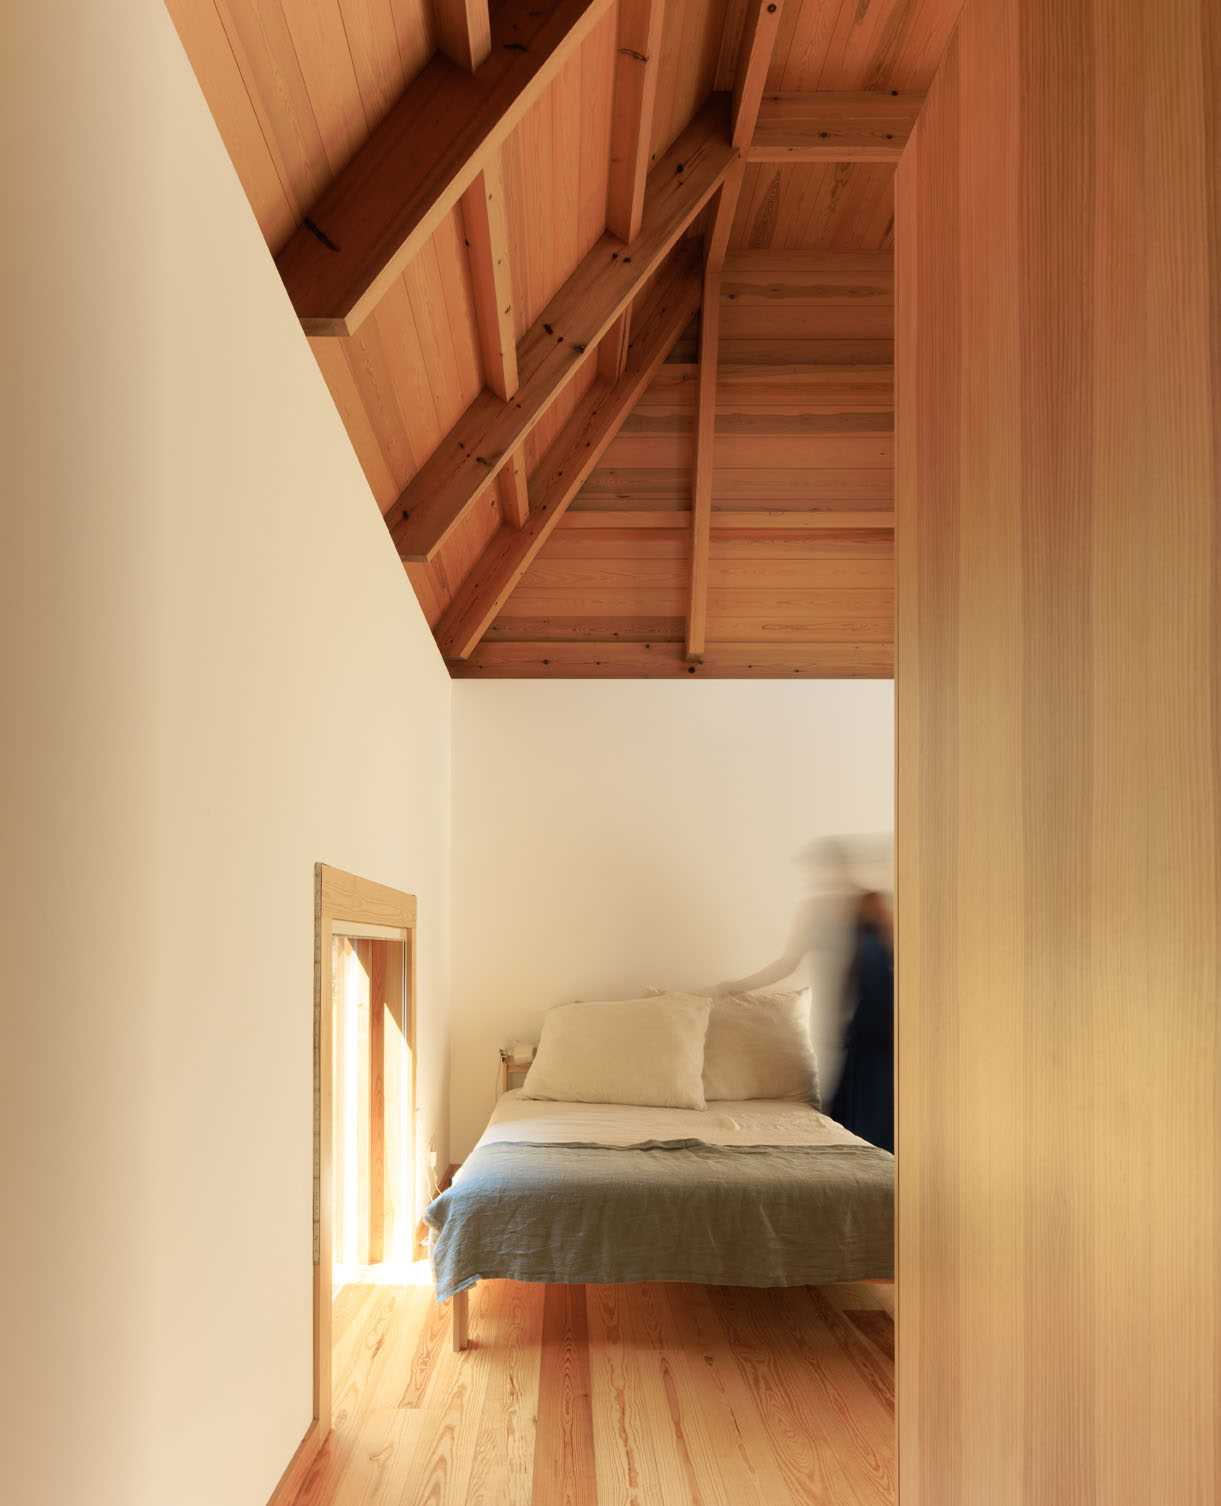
column 611, row 835
column 216, row 674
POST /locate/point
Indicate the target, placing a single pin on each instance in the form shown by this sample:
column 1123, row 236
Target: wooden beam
column 754, row 59
column 717, row 245
column 612, row 348
column 480, row 444
column 862, row 127
column 636, row 69
column 464, row 31
column 761, row 519
column 486, row 223
column 485, row 219
column 749, row 261
column 705, row 444
column 671, row 302
column 419, row 162
column 514, row 493
column 640, row 661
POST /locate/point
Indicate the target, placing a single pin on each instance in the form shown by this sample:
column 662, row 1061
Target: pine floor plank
column 815, row 1438
column 747, row 1475
column 431, row 1341
column 835, row 1369
column 626, row 1440
column 683, row 1442
column 878, row 1327
column 510, row 1326
column 870, row 1363
column 443, row 1458
column 374, row 1342
column 655, row 1395
column 564, row 1471
column 379, row 1457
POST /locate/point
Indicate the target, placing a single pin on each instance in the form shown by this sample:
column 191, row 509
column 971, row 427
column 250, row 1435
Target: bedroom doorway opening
column 371, row 1130
column 366, row 1181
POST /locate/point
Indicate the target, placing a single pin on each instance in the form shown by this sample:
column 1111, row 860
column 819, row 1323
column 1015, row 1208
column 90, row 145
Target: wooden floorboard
column 656, row 1395
column 564, row 1438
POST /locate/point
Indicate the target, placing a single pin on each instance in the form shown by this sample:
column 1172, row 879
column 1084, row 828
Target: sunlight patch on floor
column 388, row 1273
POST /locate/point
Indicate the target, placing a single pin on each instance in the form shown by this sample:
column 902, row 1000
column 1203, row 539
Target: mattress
column 740, row 1194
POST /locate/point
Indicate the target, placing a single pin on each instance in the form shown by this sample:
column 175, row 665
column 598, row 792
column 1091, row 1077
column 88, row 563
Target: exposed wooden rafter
column 484, row 220
column 637, row 60
column 460, row 199
column 770, row 518
column 705, row 445
column 824, row 127
column 667, row 309
column 487, row 240
column 754, row 57
column 643, row 661
column 418, row 163
column 480, row 444
column 514, row 495
column 464, row 31
column 637, row 57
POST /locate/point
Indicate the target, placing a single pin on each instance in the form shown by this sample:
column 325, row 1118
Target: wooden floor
column 654, row 1395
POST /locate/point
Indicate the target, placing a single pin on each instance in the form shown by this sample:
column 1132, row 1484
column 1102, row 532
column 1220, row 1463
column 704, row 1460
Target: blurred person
column 864, row 1101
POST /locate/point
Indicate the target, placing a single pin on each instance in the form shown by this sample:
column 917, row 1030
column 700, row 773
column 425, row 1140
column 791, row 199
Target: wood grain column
column 1059, row 734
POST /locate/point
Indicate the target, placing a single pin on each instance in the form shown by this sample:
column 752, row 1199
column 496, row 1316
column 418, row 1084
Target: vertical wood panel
column 397, row 1150
column 705, row 445
column 555, row 166
column 464, row 32
column 359, row 1106
column 1060, row 761
column 379, row 955
column 485, row 220
column 690, row 47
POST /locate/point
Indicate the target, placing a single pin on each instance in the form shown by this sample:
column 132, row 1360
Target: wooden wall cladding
column 436, row 180
column 801, row 557
column 1059, row 736
column 294, row 96
column 882, row 48
column 837, row 206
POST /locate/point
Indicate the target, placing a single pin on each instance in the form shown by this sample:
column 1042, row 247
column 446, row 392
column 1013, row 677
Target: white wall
column 609, row 835
column 217, row 674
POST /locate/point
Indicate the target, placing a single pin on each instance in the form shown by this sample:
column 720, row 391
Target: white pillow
column 641, row 1051
column 759, row 1046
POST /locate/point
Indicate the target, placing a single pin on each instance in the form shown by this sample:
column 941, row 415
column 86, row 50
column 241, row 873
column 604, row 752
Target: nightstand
column 512, row 1074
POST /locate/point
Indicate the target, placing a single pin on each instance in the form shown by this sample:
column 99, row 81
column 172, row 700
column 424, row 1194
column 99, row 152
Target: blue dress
column 864, row 1101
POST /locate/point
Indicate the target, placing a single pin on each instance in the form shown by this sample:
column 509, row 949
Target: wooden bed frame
column 460, row 1311
column 460, row 1308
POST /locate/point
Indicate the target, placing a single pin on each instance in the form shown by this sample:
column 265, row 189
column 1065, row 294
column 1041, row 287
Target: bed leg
column 460, row 1306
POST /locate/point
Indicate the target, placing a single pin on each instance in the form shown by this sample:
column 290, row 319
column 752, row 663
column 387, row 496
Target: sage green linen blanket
column 666, row 1210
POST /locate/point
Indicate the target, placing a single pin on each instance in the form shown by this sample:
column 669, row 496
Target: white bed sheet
column 760, row 1121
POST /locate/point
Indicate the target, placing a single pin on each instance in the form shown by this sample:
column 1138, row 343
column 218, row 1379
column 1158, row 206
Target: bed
column 757, row 1193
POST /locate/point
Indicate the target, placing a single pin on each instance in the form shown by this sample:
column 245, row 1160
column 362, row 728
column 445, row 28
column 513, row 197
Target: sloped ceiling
column 504, row 234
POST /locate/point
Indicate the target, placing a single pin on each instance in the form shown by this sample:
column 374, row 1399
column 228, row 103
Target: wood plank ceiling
column 602, row 290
